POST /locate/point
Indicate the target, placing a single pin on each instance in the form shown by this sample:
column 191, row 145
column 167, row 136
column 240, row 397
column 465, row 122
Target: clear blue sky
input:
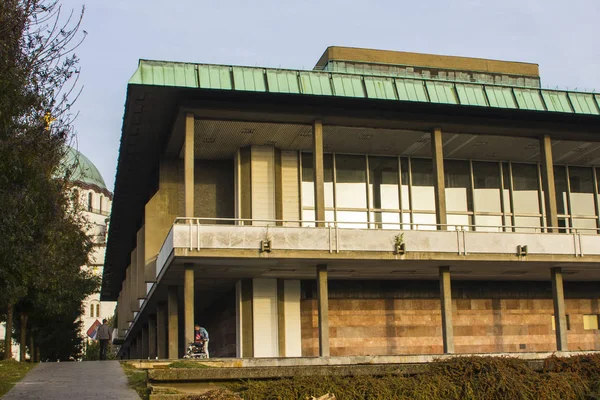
column 560, row 35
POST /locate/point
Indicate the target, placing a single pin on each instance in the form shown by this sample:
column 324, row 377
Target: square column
column 323, row 309
column 188, row 161
column 437, row 156
column 548, row 183
column 173, row 323
column 247, row 318
column 318, row 171
column 144, row 341
column 188, row 303
column 161, row 331
column 446, row 301
column 152, row 337
column 560, row 318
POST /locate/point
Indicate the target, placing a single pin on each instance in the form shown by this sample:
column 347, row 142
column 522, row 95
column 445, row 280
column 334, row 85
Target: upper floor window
column 89, row 203
column 398, row 192
column 100, row 207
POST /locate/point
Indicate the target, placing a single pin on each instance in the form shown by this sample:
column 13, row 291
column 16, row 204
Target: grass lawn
column 11, row 372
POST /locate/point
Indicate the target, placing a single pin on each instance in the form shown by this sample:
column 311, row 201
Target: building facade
column 383, row 203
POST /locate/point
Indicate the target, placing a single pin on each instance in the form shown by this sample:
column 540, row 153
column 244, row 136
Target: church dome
column 85, row 171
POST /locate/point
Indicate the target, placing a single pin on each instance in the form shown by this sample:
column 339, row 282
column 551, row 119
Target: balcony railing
column 196, row 234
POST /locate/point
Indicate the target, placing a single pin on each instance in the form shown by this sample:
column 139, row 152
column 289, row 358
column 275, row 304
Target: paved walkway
column 74, row 381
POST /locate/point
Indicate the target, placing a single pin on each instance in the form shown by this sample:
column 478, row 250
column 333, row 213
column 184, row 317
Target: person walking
column 104, row 335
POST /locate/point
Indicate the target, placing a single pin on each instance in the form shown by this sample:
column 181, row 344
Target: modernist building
column 382, row 203
column 96, row 202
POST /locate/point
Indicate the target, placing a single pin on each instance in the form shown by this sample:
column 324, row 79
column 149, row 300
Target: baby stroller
column 197, row 350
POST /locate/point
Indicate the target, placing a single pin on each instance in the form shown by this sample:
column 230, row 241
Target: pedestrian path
column 74, row 380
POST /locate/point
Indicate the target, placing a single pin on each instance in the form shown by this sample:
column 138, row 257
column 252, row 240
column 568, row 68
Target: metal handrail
column 340, row 225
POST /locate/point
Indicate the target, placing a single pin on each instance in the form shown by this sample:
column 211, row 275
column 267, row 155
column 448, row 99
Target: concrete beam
column 323, row 309
column 318, row 172
column 173, row 323
column 188, row 303
column 188, row 156
column 161, row 331
column 152, row 354
column 548, row 183
column 560, row 317
column 437, row 156
column 446, row 302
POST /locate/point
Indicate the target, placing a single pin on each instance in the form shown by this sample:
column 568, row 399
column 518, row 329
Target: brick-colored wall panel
column 369, row 326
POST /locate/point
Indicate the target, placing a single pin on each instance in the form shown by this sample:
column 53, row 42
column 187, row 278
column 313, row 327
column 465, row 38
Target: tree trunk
column 23, row 337
column 8, row 334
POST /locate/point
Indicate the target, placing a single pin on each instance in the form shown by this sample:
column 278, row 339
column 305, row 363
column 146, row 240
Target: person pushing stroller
column 199, row 348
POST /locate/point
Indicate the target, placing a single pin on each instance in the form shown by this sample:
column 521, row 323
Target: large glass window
column 487, row 188
column 383, row 192
column 398, row 193
column 526, row 200
column 459, row 204
column 583, row 208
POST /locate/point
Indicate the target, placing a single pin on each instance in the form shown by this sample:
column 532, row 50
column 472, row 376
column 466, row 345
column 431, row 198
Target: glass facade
column 384, row 192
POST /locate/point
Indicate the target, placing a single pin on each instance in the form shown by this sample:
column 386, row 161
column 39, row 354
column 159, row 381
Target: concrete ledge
column 270, row 368
column 215, row 374
column 348, row 360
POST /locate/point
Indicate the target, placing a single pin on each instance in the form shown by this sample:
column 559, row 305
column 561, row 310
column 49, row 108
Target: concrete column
column 144, row 340
column 446, row 300
column 318, row 172
column 281, row 316
column 138, row 346
column 437, row 155
column 173, row 323
column 548, row 183
column 188, row 156
column 247, row 319
column 188, row 303
column 161, row 331
column 560, row 317
column 152, row 337
column 323, row 308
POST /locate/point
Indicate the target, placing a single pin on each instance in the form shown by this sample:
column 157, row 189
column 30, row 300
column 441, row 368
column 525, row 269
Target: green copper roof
column 318, row 83
column 85, row 171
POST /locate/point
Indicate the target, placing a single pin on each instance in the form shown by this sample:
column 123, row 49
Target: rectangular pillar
column 323, row 309
column 188, row 156
column 247, row 318
column 446, row 300
column 560, row 317
column 437, row 156
column 188, row 303
column 173, row 323
column 318, row 172
column 152, row 337
column 161, row 331
column 548, row 183
column 281, row 316
column 138, row 346
column 144, row 341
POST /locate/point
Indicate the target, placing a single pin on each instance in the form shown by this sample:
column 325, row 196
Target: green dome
column 85, row 171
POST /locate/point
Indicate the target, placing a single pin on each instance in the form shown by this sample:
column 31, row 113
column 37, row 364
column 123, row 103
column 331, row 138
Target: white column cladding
column 237, row 184
column 263, row 183
column 264, row 313
column 290, row 187
column 238, row 317
column 293, row 329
